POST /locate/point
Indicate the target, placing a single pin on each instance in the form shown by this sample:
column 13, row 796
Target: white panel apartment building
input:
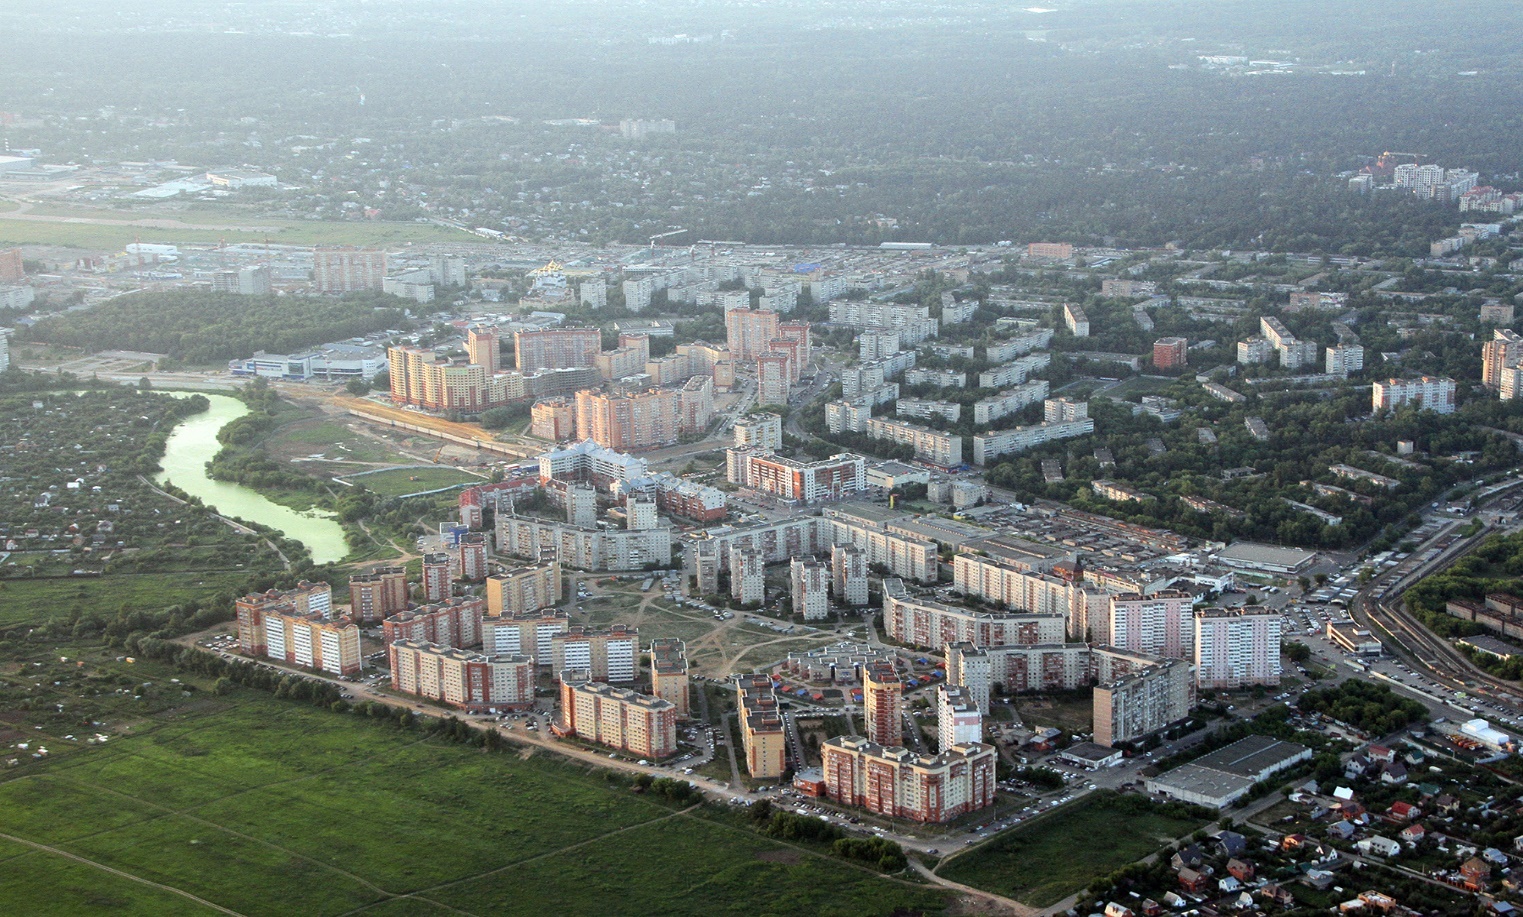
column 1160, row 624
column 608, row 655
column 914, row 323
column 933, row 446
column 848, row 574
column 986, row 410
column 810, row 581
column 958, row 719
column 586, row 549
column 1083, row 607
column 924, row 623
column 761, row 432
column 1236, row 648
column 528, row 634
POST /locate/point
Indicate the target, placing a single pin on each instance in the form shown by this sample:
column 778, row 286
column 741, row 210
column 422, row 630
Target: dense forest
column 961, row 123
column 198, row 327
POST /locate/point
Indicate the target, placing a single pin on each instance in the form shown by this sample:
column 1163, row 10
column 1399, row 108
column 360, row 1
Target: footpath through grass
column 1048, row 859
column 266, row 807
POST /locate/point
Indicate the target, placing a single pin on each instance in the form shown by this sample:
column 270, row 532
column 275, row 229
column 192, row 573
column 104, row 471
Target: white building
column 760, row 432
column 958, row 720
column 810, row 580
column 1237, row 648
column 637, row 294
column 1343, row 359
column 748, row 576
column 848, row 574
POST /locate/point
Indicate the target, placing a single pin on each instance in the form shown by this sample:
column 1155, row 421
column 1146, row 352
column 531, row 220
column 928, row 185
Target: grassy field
column 1048, row 859
column 401, row 481
column 265, row 807
column 113, row 229
column 33, row 601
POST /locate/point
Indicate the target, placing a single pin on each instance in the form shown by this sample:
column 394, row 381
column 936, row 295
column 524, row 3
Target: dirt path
column 117, row 872
column 1006, row 905
column 237, row 526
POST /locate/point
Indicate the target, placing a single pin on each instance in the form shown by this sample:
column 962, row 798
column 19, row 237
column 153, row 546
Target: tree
column 357, row 387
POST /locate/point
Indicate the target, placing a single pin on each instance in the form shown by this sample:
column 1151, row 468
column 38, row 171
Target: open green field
column 1052, row 857
column 33, row 601
column 334, row 440
column 402, row 480
column 113, row 229
column 265, row 807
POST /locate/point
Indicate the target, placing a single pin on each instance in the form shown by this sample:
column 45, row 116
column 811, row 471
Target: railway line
column 1379, row 606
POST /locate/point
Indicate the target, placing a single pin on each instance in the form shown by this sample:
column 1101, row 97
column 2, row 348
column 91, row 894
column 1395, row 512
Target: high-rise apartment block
column 1503, row 350
column 748, row 576
column 792, row 479
column 1170, row 353
column 762, row 739
column 581, row 505
column 553, row 419
column 760, row 432
column 307, row 598
column 12, row 268
column 347, row 270
column 774, row 377
column 922, row 622
column 968, row 668
column 1254, row 350
column 1076, row 320
column 637, row 293
column 528, row 634
column 749, row 332
column 482, row 345
column 848, row 574
column 523, row 590
column 607, row 655
column 1428, row 393
column 438, row 583
column 810, row 581
column 958, row 719
column 669, row 675
column 476, row 682
column 468, row 558
column 1137, row 694
column 378, row 594
column 1160, row 624
column 883, row 704
column 1236, row 648
column 454, row 622
column 626, row 421
column 556, row 348
column 253, row 280
column 901, row 784
column 616, row 717
column 1343, row 359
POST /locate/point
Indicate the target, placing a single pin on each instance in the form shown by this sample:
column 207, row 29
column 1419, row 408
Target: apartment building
column 1126, row 288
column 1254, row 350
column 1013, row 372
column 795, row 480
column 617, row 717
column 1343, row 359
column 903, row 555
column 809, row 579
column 607, row 655
column 914, row 323
column 987, row 410
column 454, row 622
column 871, row 345
column 942, row 378
column 924, row 623
column 1017, row 668
column 997, row 580
column 482, row 346
column 528, row 634
column 774, row 377
column 468, row 558
column 748, row 576
column 749, row 332
column 523, row 590
column 428, row 380
column 1427, row 393
column 883, row 704
column 476, row 682
column 992, row 445
column 347, row 270
column 1236, row 648
column 1161, row 624
column 921, row 408
column 1007, row 350
column 594, row 550
column 848, row 574
column 762, row 739
column 933, row 446
column 1076, row 320
column 958, row 719
column 437, row 582
column 625, row 421
column 760, row 432
column 1137, row 694
column 669, row 674
column 1504, row 350
column 378, row 594
column 308, row 639
column 1171, row 353
column 556, row 348
column 898, row 783
column 307, row 598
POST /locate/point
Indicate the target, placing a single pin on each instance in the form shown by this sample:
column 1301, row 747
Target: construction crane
column 675, row 232
column 439, row 453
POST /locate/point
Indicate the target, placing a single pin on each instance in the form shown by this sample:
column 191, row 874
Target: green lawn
column 267, row 807
column 1048, row 859
column 33, row 601
column 401, row 481
column 107, row 235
